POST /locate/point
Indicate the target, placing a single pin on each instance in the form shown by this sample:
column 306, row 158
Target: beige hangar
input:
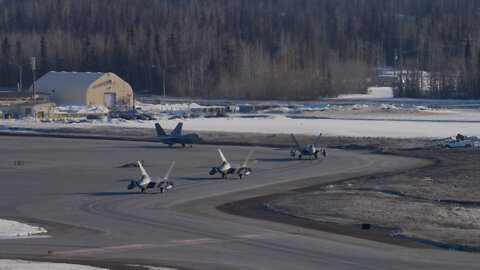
column 88, row 88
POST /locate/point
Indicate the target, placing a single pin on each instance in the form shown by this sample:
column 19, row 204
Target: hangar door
column 109, row 99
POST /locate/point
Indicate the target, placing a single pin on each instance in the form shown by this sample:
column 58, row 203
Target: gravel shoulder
column 436, row 206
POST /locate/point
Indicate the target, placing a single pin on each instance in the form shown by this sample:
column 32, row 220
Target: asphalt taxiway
column 76, row 190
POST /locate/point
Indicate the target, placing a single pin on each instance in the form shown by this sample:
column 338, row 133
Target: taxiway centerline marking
column 192, row 241
column 101, row 249
column 170, row 243
column 256, row 236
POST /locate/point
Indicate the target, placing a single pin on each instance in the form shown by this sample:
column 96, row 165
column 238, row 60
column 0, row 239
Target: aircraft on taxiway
column 176, row 136
column 227, row 168
column 145, row 182
column 309, row 150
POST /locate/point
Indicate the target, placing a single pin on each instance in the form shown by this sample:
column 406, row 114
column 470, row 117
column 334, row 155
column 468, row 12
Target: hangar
column 86, row 88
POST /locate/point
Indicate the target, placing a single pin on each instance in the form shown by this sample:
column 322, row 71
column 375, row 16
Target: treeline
column 259, row 49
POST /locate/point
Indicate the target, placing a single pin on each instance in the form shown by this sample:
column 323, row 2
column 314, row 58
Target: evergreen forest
column 256, row 49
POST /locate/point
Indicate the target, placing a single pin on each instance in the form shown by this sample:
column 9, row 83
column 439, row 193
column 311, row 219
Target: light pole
column 33, row 64
column 164, row 71
column 19, row 86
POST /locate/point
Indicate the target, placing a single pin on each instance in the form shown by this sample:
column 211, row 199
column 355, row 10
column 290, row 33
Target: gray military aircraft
column 145, row 182
column 308, row 150
column 176, row 136
column 226, row 168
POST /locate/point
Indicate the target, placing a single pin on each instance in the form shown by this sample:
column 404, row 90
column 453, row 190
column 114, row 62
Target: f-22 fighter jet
column 145, row 182
column 176, row 136
column 227, row 168
column 309, row 150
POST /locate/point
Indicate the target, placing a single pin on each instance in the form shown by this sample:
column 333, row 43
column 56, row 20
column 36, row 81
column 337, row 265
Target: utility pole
column 133, row 103
column 19, row 86
column 163, row 84
column 164, row 69
column 32, row 63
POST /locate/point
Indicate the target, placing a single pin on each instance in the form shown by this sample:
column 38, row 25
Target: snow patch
column 29, row 265
column 177, row 108
column 11, row 229
column 372, row 93
column 395, row 126
column 81, row 109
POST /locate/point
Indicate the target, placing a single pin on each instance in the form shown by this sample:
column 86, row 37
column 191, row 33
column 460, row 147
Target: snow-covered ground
column 377, row 114
column 12, row 229
column 174, row 108
column 406, row 125
column 29, row 265
column 372, row 93
column 79, row 109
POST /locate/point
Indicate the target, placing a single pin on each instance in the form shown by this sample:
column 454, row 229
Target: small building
column 386, row 80
column 85, row 88
column 36, row 109
column 14, row 97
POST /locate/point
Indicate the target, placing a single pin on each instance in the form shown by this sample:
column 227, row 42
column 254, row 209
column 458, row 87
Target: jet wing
column 156, row 179
column 156, row 182
column 238, row 167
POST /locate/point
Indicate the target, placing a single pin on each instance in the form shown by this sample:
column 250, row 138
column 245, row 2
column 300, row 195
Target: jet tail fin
column 222, row 156
column 247, row 158
column 178, row 129
column 317, row 140
column 294, row 140
column 165, row 177
column 160, row 131
column 141, row 168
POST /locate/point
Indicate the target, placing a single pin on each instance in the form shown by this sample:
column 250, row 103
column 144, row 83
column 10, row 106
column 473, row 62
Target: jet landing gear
column 224, row 176
column 144, row 190
column 299, row 156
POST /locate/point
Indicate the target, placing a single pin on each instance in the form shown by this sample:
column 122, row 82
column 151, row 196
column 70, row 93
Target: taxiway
column 76, row 190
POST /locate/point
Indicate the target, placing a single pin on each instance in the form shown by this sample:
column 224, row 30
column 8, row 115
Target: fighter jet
column 308, row 150
column 176, row 136
column 226, row 168
column 145, row 182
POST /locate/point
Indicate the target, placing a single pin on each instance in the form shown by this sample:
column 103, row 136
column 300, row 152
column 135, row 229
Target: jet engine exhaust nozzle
column 132, row 185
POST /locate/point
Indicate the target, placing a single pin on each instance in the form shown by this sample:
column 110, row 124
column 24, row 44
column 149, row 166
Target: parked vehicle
column 457, row 143
column 93, row 117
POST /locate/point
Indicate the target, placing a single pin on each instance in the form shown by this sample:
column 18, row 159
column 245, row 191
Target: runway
column 76, row 190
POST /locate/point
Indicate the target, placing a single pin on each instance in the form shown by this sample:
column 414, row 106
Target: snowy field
column 372, row 93
column 29, row 265
column 377, row 114
column 11, row 229
column 412, row 127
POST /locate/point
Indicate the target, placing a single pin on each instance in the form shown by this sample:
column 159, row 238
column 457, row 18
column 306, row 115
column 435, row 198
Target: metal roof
column 67, row 87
